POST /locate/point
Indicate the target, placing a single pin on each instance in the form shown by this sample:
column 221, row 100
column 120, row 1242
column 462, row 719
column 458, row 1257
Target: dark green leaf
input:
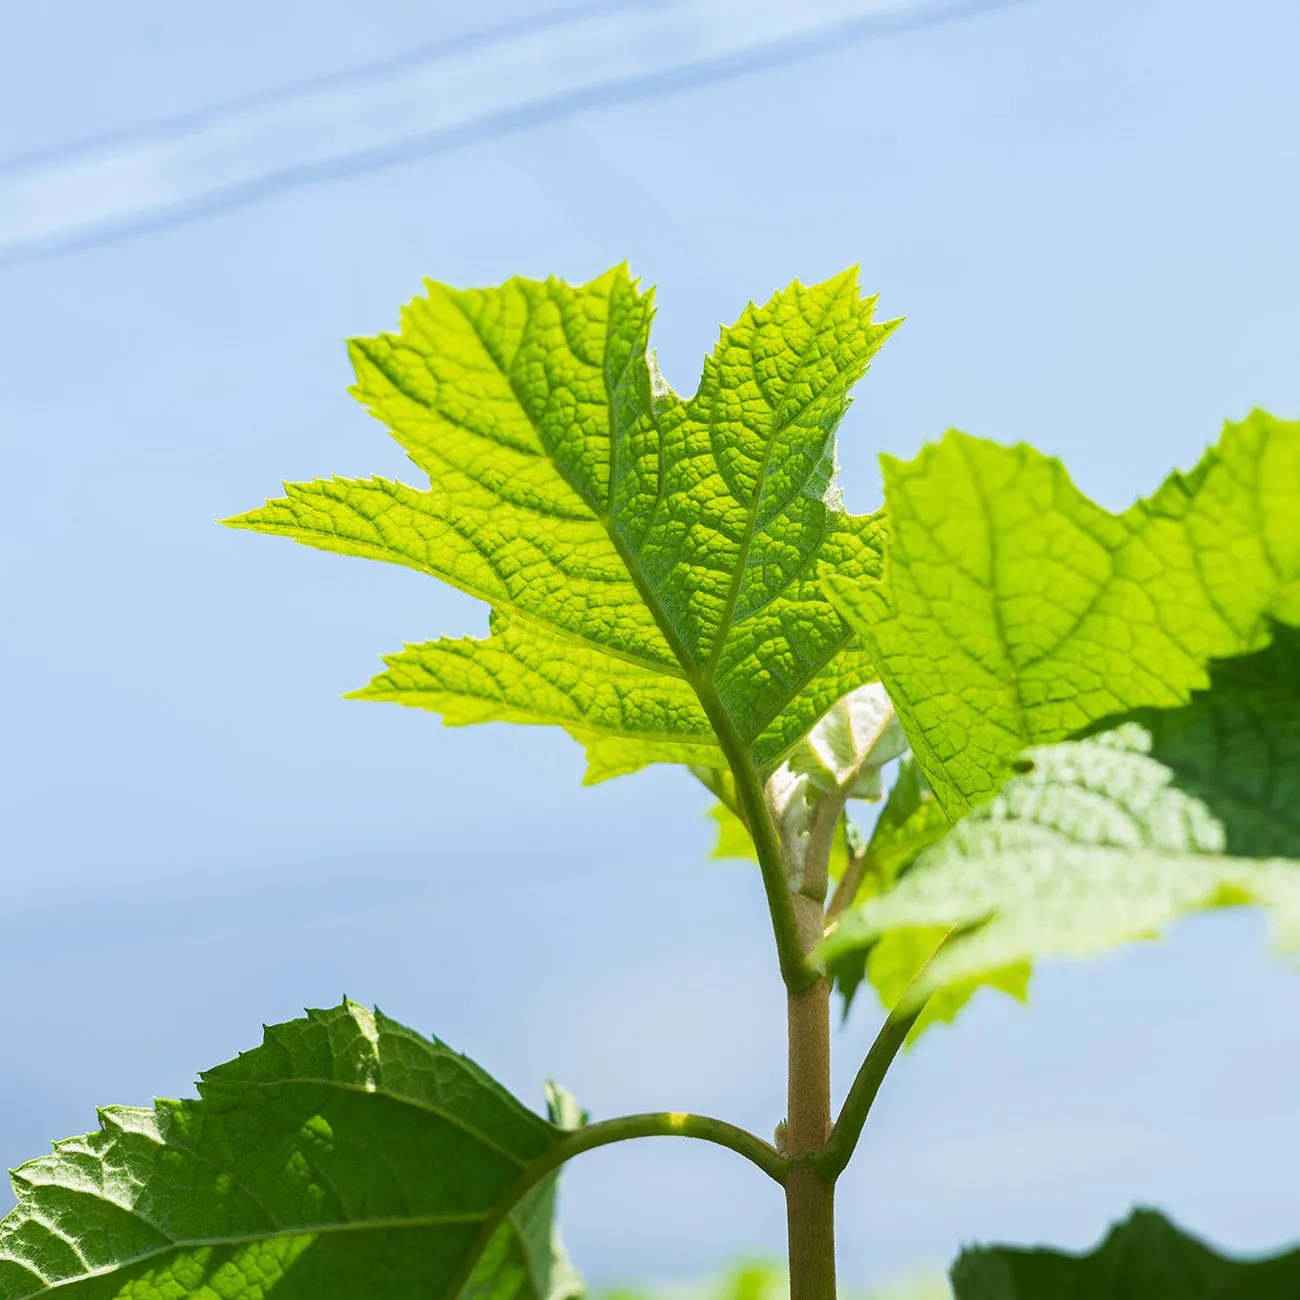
column 1112, row 836
column 1144, row 1258
column 1015, row 612
column 345, row 1157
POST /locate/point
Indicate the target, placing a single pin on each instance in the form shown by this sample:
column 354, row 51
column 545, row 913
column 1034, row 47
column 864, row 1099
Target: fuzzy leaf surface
column 654, row 563
column 1113, row 836
column 1016, row 612
column 1144, row 1258
column 345, row 1156
column 908, row 824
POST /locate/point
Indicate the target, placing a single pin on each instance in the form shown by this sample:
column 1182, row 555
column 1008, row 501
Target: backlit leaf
column 653, row 563
column 1015, row 612
column 1113, row 836
column 345, row 1157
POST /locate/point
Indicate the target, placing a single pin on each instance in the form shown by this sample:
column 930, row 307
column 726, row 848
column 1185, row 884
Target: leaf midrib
column 602, row 516
column 751, row 524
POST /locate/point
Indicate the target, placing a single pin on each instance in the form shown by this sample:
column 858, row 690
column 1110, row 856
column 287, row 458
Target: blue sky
column 1087, row 212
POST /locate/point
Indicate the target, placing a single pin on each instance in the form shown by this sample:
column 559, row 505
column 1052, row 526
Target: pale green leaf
column 846, row 748
column 898, row 956
column 1015, row 612
column 346, row 1156
column 840, row 758
column 733, row 840
column 525, row 672
column 1144, row 1258
column 1113, row 836
column 654, row 563
column 909, row 823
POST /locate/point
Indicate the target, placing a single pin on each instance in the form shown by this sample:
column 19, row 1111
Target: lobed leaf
column 1112, row 836
column 908, row 824
column 1016, row 612
column 1144, row 1258
column 346, row 1156
column 654, row 563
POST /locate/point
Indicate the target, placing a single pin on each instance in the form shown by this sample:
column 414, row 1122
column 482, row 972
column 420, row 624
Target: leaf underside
column 347, row 1156
column 1144, row 1258
column 909, row 823
column 653, row 563
column 1015, row 612
column 1112, row 836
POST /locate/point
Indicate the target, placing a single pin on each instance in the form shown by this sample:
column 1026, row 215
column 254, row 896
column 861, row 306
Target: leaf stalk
column 622, row 1129
column 831, row 1161
column 834, row 1157
column 672, row 1124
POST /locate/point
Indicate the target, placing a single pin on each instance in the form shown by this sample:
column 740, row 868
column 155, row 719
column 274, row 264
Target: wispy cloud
column 382, row 113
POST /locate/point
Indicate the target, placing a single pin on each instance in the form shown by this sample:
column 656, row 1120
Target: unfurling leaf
column 1015, row 612
column 345, row 1157
column 849, row 744
column 1113, row 836
column 839, row 759
column 733, row 840
column 653, row 563
column 1145, row 1258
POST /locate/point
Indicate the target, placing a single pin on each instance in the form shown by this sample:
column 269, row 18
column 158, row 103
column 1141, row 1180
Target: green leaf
column 1015, row 612
column 733, row 840
column 653, row 563
column 525, row 1259
column 897, row 958
column 839, row 758
column 847, row 747
column 1144, row 1258
column 347, row 1156
column 1113, row 836
column 909, row 823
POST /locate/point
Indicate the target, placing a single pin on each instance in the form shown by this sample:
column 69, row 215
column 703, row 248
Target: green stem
column 849, row 884
column 832, row 1159
column 671, row 1124
column 798, row 973
column 809, row 1195
column 606, row 1132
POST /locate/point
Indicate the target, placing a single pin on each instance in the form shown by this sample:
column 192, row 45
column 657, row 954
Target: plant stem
column 809, row 1194
column 831, row 1160
column 621, row 1129
column 797, row 972
column 838, row 1150
column 671, row 1124
column 849, row 884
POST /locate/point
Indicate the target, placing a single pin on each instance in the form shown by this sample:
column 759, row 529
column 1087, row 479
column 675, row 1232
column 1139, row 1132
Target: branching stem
column 673, row 1124
column 621, row 1129
column 846, row 890
column 832, row 1159
column 838, row 1151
